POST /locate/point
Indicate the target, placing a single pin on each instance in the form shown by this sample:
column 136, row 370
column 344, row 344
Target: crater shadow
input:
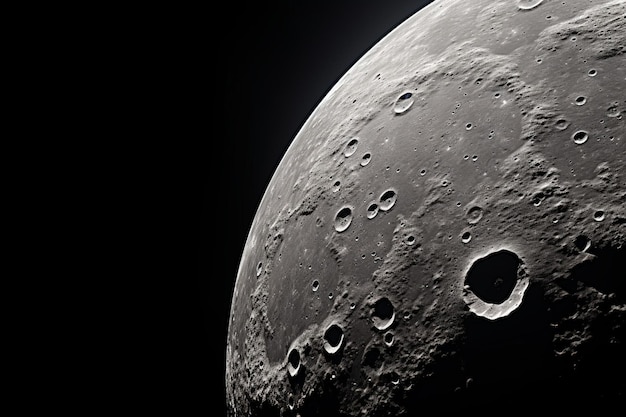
column 493, row 278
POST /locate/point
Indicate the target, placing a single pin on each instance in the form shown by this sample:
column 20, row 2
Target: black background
column 269, row 65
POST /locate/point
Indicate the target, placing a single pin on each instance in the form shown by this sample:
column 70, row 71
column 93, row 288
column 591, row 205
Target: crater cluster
column 448, row 229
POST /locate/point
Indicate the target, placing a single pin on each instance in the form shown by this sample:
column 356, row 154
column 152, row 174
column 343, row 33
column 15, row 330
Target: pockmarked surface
column 448, row 228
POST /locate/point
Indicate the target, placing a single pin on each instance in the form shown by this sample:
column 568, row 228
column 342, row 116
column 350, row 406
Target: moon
column 447, row 231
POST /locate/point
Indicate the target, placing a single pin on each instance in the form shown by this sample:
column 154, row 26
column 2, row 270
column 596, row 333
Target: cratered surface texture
column 447, row 230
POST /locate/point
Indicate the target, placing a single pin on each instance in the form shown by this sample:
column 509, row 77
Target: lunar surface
column 447, row 231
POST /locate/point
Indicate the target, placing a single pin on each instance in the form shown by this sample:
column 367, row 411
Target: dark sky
column 270, row 64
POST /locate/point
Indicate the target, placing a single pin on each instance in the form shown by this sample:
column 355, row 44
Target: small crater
column 561, row 124
column 403, row 103
column 366, row 159
column 372, row 210
column 613, row 110
column 315, row 286
column 383, row 314
column 388, row 199
column 528, row 4
column 466, row 237
column 388, row 338
column 336, row 186
column 580, row 137
column 351, row 147
column 343, row 219
column 293, row 362
column 598, row 215
column 580, row 100
column 410, row 240
column 333, row 339
column 468, row 126
column 259, row 269
column 474, row 214
column 592, row 72
column 583, row 243
column 394, row 378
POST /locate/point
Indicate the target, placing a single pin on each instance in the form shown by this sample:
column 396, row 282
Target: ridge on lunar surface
column 447, row 231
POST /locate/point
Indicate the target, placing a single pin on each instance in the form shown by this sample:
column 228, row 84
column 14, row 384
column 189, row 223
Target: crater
column 293, row 362
column 403, row 103
column 333, row 339
column 383, row 314
column 343, row 218
column 474, row 214
column 350, row 148
column 387, row 200
column 528, row 4
column 495, row 284
column 583, row 243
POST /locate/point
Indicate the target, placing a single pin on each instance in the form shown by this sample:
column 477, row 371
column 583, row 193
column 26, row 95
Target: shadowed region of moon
column 447, row 231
